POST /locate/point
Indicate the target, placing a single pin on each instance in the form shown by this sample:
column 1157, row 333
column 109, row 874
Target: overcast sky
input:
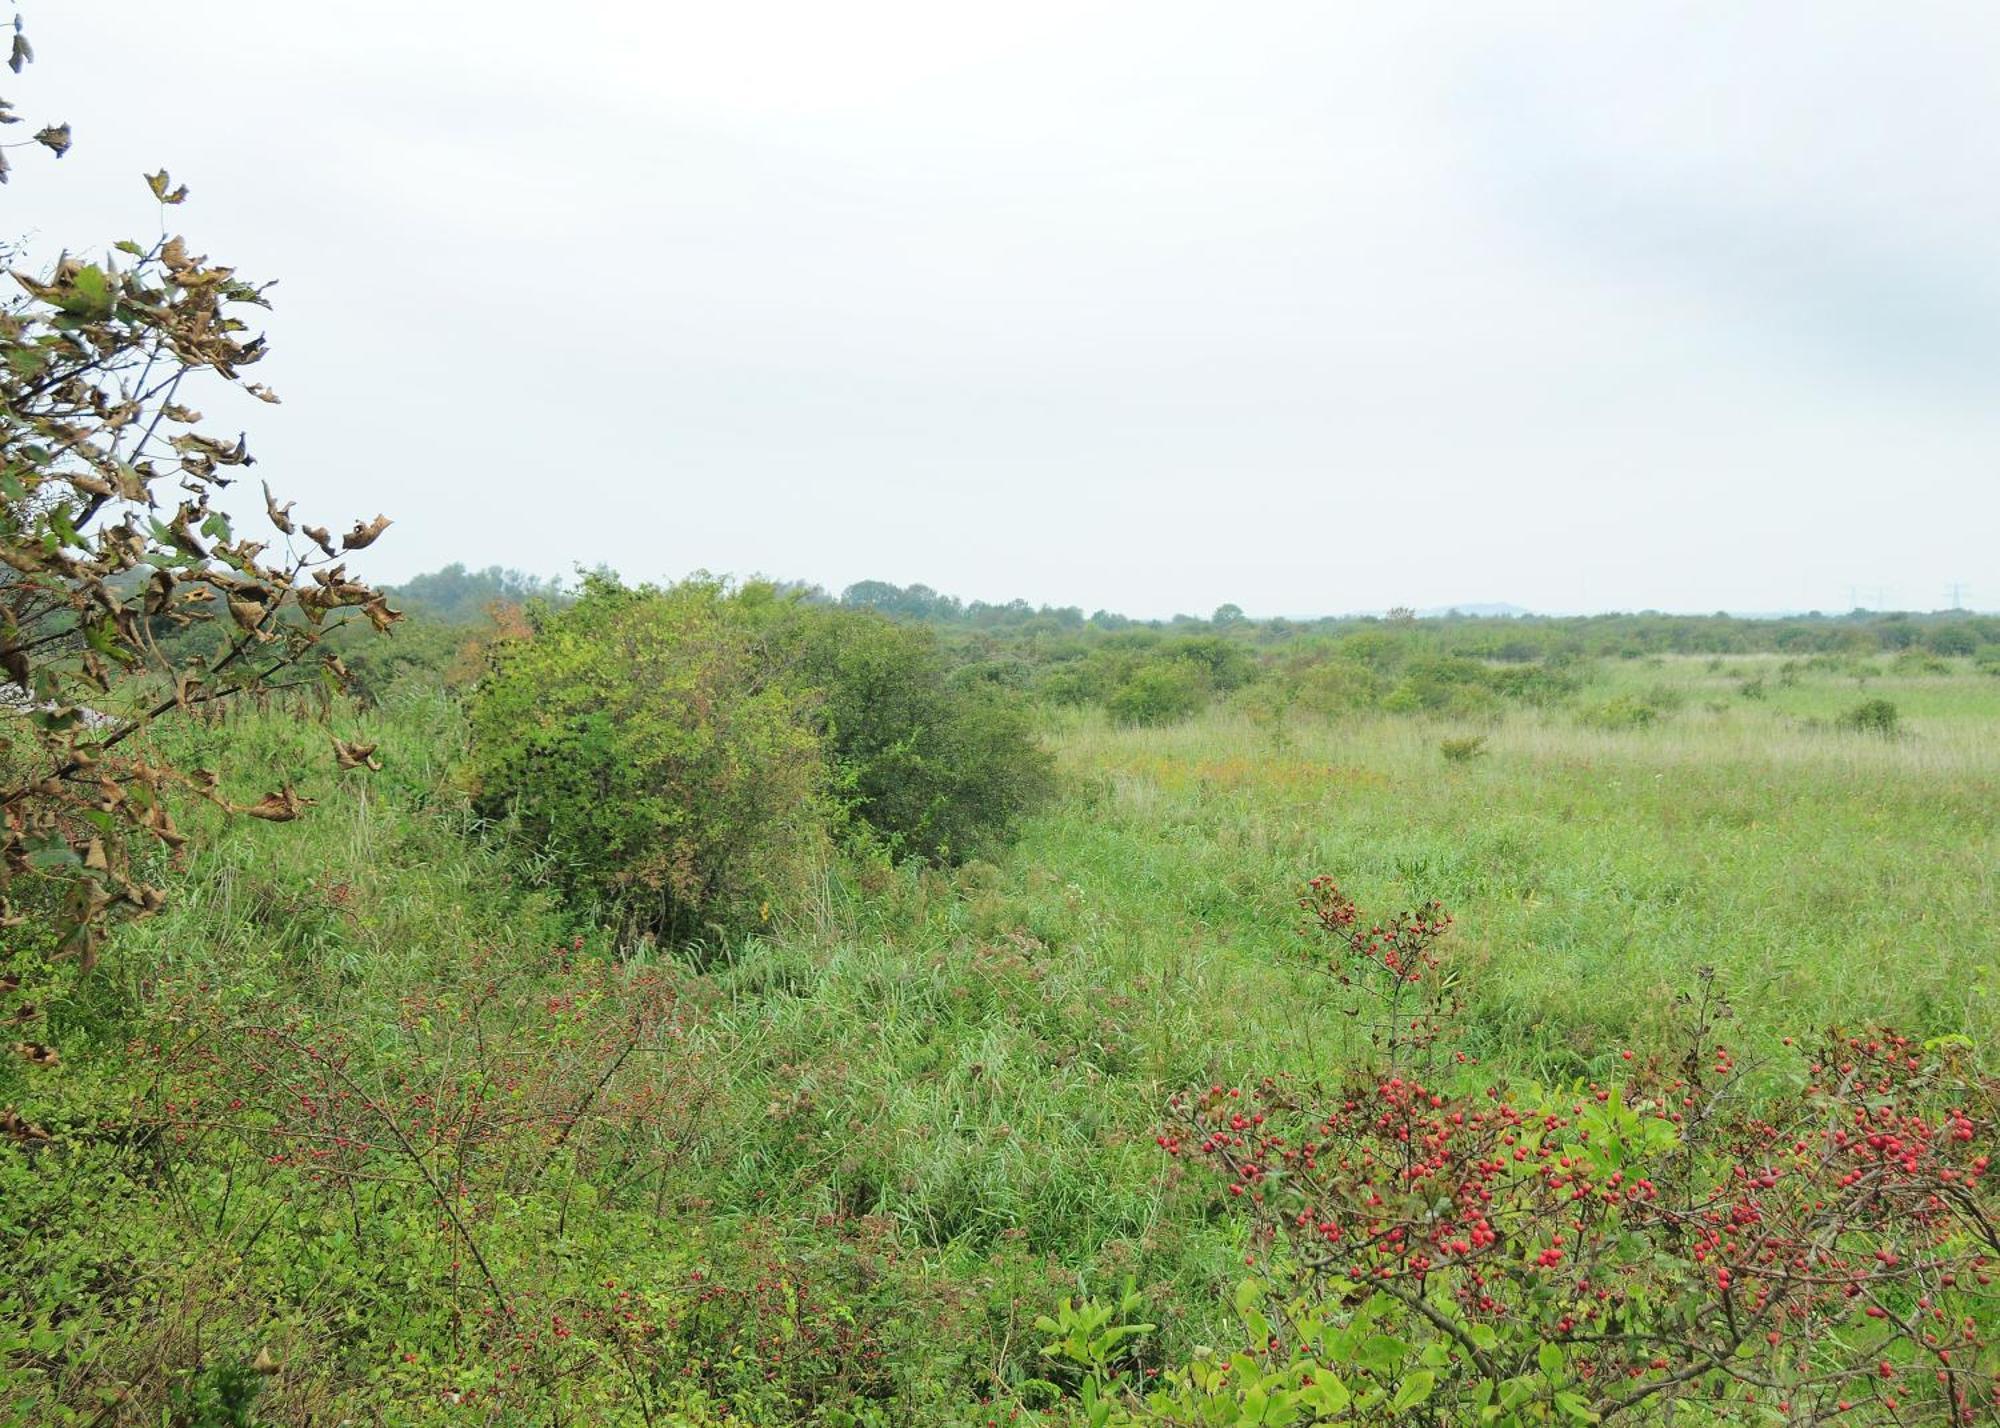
column 1311, row 307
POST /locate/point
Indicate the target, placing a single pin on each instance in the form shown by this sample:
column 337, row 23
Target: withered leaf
column 36, row 1054
column 321, row 538
column 13, row 1126
column 280, row 807
column 281, row 516
column 158, row 184
column 363, row 536
column 356, row 756
column 249, row 614
column 55, row 138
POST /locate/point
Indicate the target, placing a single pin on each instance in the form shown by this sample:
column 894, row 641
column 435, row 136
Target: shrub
column 1339, row 686
column 1463, row 750
column 1439, row 1252
column 935, row 768
column 1159, row 692
column 1873, row 716
column 639, row 742
column 1918, row 661
column 1624, row 712
column 1954, row 639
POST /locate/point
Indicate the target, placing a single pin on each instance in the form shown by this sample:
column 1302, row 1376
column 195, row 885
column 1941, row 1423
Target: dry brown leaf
column 281, row 516
column 356, row 756
column 363, row 536
column 280, row 807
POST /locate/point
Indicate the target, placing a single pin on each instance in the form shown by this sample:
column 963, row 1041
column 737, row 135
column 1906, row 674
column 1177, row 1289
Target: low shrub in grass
column 1873, row 716
column 1623, row 712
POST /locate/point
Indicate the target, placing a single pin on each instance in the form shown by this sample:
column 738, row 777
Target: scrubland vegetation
column 722, row 1004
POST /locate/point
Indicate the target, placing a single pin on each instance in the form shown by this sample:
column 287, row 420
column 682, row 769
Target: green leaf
column 1413, row 1390
column 1328, row 1395
column 1550, row 1359
column 89, row 293
column 1577, row 1407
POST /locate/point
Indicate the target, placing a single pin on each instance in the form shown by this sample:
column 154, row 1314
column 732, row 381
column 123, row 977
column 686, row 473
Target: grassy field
column 1828, row 876
column 932, row 1096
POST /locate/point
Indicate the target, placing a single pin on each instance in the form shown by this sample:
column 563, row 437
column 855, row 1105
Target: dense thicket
column 678, row 757
column 931, row 766
column 656, row 762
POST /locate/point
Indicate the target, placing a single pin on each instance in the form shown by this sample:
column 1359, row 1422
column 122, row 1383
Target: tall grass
column 954, row 1078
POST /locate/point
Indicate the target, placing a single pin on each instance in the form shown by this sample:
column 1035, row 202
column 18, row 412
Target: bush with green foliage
column 1953, row 639
column 641, row 743
column 1159, row 692
column 1625, row 711
column 1874, row 716
column 1338, row 687
column 933, row 767
column 1463, row 750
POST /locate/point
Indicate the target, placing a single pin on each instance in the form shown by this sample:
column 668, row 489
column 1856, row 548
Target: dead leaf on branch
column 158, row 184
column 356, row 756
column 248, row 614
column 280, row 807
column 363, row 536
column 281, row 516
column 15, row 1128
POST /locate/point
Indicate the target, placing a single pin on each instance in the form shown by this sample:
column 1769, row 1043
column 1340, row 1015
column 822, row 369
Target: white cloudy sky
column 1305, row 306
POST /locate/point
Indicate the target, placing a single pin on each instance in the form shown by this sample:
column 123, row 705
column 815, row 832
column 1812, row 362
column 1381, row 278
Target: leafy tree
column 462, row 596
column 126, row 592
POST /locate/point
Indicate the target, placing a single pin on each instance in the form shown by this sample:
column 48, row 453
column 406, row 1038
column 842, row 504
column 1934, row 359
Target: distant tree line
column 1483, row 636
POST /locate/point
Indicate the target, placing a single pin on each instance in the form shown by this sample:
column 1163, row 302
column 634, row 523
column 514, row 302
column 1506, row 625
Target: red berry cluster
column 1827, row 1253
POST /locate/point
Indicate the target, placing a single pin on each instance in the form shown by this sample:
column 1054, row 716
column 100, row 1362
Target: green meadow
column 877, row 1138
